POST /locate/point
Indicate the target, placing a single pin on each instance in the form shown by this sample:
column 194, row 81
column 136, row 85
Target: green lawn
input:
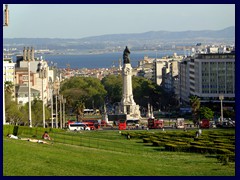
column 103, row 153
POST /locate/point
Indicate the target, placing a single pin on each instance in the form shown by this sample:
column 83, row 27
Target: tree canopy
column 83, row 89
column 195, row 105
column 206, row 113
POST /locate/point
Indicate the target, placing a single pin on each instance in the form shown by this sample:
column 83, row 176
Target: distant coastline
column 102, row 60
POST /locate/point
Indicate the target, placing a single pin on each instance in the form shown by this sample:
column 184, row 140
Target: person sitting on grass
column 46, row 136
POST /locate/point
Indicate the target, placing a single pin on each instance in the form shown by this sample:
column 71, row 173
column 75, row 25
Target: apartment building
column 209, row 76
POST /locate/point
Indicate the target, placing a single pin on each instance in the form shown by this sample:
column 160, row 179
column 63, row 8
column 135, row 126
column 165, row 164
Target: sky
column 85, row 20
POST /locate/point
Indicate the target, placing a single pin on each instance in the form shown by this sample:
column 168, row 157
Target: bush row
column 208, row 143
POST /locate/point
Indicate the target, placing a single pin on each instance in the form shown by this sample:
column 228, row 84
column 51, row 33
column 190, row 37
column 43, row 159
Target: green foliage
column 9, row 87
column 87, row 90
column 195, row 105
column 212, row 142
column 206, row 113
column 144, row 91
column 37, row 112
column 14, row 113
column 79, row 109
column 113, row 85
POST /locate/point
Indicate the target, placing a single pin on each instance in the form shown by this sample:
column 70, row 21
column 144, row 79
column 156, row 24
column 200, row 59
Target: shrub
column 225, row 159
column 146, row 140
column 223, row 151
column 170, row 147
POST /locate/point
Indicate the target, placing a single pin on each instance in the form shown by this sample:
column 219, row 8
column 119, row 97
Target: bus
column 92, row 123
column 119, row 120
column 155, row 123
column 78, row 127
column 122, row 124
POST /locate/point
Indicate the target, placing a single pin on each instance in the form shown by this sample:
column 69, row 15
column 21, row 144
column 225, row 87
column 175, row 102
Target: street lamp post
column 56, row 109
column 42, row 75
column 56, row 89
column 60, row 103
column 29, row 96
column 221, row 97
column 64, row 102
column 51, row 94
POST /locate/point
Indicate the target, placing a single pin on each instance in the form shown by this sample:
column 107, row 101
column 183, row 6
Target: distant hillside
column 137, row 41
column 227, row 33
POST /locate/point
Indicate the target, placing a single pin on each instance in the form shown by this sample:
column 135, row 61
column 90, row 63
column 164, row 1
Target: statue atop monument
column 126, row 58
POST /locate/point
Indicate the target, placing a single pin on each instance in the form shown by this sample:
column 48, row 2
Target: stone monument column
column 128, row 105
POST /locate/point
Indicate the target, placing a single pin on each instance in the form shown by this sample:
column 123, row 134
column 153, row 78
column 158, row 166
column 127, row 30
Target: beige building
column 37, row 83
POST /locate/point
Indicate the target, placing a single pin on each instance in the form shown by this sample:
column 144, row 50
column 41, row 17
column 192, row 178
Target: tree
column 9, row 87
column 79, row 110
column 142, row 87
column 144, row 92
column 37, row 113
column 83, row 89
column 195, row 105
column 206, row 113
column 113, row 85
column 14, row 114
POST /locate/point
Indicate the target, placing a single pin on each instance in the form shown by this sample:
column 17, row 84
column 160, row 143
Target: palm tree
column 79, row 109
column 9, row 87
column 195, row 105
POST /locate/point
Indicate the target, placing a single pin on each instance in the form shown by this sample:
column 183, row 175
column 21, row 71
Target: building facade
column 210, row 75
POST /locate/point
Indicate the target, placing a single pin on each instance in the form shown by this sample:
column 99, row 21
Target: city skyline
column 85, row 20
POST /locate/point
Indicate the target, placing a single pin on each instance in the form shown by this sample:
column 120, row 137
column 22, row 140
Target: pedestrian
column 197, row 134
column 128, row 136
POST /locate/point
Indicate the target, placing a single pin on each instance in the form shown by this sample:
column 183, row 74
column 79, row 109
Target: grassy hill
column 102, row 153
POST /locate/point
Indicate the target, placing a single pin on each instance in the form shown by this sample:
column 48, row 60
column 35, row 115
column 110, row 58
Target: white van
column 78, row 127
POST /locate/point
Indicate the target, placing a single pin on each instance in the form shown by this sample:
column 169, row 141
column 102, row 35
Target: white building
column 8, row 70
column 209, row 76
